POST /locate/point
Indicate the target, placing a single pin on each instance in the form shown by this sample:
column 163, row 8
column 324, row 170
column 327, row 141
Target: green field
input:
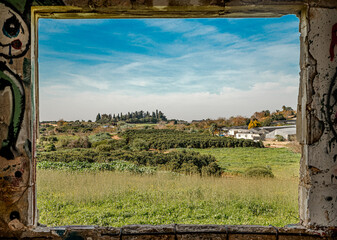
column 283, row 162
column 120, row 198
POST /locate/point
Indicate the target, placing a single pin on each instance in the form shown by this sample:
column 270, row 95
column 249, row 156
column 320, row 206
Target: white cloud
column 282, row 26
column 80, row 81
column 73, row 105
column 203, row 73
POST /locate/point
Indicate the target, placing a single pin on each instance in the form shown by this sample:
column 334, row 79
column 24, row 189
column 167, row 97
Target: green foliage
column 75, row 127
column 284, row 108
column 176, row 161
column 52, row 139
column 98, row 117
column 167, row 138
column 50, row 147
column 259, row 171
column 213, row 128
column 267, row 122
column 121, row 166
column 212, row 169
column 279, row 138
column 278, row 117
column 104, row 118
column 139, row 144
column 81, row 142
column 99, row 137
column 110, row 144
column 133, row 117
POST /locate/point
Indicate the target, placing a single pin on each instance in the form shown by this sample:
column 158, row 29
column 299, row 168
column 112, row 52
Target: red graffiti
column 333, row 41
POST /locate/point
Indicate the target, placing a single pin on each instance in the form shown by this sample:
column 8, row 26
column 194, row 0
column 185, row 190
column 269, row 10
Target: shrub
column 212, row 169
column 50, row 147
column 104, row 148
column 43, row 138
column 82, row 142
column 99, row 137
column 52, row 139
column 259, row 171
column 176, row 161
column 279, row 138
column 139, row 144
column 113, row 143
column 189, row 168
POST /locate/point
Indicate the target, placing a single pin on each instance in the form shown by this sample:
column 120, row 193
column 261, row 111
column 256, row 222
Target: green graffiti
column 11, row 80
column 18, row 4
column 26, row 71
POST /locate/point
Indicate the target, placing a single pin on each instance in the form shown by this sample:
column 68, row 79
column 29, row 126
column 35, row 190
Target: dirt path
column 275, row 144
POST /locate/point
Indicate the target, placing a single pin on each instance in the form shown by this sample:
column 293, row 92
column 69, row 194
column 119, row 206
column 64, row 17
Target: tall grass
column 116, row 199
column 283, row 162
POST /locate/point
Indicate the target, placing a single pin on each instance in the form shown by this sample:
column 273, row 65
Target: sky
column 190, row 69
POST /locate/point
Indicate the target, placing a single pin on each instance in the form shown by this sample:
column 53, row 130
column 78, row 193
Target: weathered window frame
column 177, row 9
column 118, row 13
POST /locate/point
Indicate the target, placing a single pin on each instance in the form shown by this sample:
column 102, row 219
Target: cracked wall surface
column 15, row 114
column 316, row 124
column 318, row 176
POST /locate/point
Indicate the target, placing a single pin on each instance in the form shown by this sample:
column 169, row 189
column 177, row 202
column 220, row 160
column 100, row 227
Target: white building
column 287, row 133
column 249, row 135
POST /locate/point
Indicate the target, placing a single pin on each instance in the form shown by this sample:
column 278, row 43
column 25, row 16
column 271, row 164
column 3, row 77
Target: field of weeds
column 112, row 198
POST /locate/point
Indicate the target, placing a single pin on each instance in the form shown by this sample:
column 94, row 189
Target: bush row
column 177, row 161
column 120, row 166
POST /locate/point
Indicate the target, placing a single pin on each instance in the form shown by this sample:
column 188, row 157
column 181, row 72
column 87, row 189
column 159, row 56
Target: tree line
column 132, row 117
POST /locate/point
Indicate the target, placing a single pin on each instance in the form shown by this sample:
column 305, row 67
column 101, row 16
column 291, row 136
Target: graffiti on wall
column 333, row 42
column 14, row 43
column 330, row 110
column 330, row 106
column 14, row 46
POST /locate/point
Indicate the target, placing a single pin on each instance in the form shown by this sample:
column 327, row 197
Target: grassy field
column 283, row 162
column 117, row 199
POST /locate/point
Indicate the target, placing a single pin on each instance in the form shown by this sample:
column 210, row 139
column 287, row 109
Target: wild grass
column 283, row 162
column 117, row 199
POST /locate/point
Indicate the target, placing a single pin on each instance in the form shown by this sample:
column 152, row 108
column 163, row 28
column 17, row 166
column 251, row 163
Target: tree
column 284, row 108
column 104, row 118
column 267, row 122
column 161, row 116
column 213, row 128
column 254, row 124
column 278, row 116
column 279, row 138
column 60, row 122
column 98, row 117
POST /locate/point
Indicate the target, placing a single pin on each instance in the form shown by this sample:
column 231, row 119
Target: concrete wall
column 317, row 117
column 316, row 121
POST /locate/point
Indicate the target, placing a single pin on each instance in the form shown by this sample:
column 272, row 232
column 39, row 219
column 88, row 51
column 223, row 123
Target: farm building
column 249, row 135
column 288, row 133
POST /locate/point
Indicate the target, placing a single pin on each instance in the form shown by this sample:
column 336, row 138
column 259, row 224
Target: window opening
column 150, row 93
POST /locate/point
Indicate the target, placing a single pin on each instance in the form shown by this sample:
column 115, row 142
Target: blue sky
column 187, row 68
